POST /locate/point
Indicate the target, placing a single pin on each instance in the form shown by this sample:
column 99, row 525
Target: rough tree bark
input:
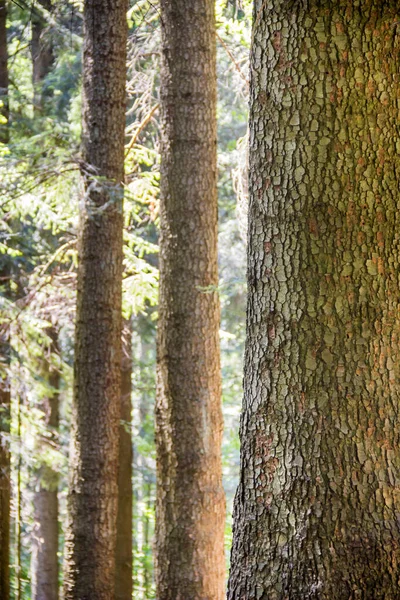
column 5, row 480
column 91, row 535
column 123, row 557
column 316, row 512
column 42, row 52
column 190, row 499
column 45, row 500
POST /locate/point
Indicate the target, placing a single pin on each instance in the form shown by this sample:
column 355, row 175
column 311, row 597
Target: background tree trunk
column 316, row 512
column 91, row 536
column 5, row 479
column 190, row 500
column 18, row 502
column 5, row 397
column 41, row 50
column 144, row 472
column 123, row 559
column 45, row 500
column 4, row 105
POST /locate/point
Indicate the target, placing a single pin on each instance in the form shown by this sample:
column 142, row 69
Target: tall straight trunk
column 5, row 397
column 45, row 497
column 5, row 470
column 190, row 499
column 4, row 105
column 146, row 545
column 91, row 535
column 316, row 512
column 123, row 557
column 144, row 500
column 18, row 504
column 142, row 566
column 42, row 52
column 44, row 565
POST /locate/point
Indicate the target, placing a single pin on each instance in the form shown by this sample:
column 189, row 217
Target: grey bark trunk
column 45, row 499
column 316, row 512
column 44, row 565
column 143, row 496
column 190, row 509
column 91, row 535
column 5, row 468
column 18, row 503
column 124, row 559
column 5, row 397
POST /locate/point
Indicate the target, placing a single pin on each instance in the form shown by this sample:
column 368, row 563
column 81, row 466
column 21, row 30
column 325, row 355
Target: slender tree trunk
column 146, row 547
column 42, row 52
column 4, row 105
column 190, row 498
column 316, row 512
column 123, row 559
column 45, row 500
column 18, row 511
column 91, row 535
column 45, row 534
column 143, row 569
column 5, row 397
column 5, row 479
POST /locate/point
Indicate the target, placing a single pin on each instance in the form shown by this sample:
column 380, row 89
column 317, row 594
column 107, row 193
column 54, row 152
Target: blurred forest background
column 39, row 196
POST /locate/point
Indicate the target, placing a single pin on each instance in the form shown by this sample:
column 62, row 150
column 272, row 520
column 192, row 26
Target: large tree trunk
column 42, row 52
column 317, row 509
column 190, row 498
column 45, row 498
column 91, row 536
column 123, row 557
column 4, row 105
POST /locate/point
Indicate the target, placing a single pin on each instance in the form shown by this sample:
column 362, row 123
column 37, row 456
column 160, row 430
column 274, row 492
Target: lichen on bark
column 317, row 508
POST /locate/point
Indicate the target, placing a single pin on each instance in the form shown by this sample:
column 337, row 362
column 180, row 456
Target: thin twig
column 139, row 130
column 37, row 183
column 234, row 61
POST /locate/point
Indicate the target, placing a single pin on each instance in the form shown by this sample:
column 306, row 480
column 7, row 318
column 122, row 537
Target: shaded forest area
column 157, row 439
